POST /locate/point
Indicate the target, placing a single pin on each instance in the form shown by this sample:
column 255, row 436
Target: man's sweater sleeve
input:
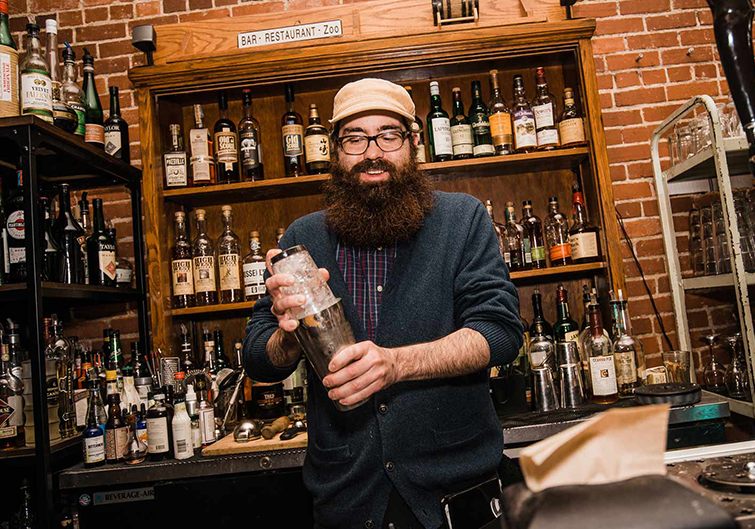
column 485, row 299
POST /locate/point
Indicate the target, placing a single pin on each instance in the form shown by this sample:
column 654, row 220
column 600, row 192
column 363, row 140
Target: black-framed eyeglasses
column 387, row 141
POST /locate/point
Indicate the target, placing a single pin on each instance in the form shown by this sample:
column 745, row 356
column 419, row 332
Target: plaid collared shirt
column 365, row 273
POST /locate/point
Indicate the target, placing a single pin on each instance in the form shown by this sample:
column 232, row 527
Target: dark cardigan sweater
column 427, row 437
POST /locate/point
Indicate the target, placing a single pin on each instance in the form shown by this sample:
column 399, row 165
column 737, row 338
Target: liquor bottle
column 95, row 130
column 226, row 144
column 478, row 118
column 94, row 435
column 221, row 360
column 192, row 409
column 544, row 108
column 8, row 57
column 602, row 366
column 565, row 328
column 86, row 225
column 67, row 232
column 316, row 144
column 292, row 131
column 183, row 447
column 418, row 128
column 500, row 118
column 203, row 255
column 534, row 230
column 523, row 236
column 206, row 414
column 159, row 430
column 71, row 93
column 124, row 270
column 52, row 253
column 438, row 128
column 17, row 354
column 461, row 130
column 209, row 351
column 14, row 232
column 500, row 232
column 250, row 138
column 584, row 338
column 203, row 170
column 175, row 160
column 254, row 269
column 542, row 347
column 116, row 430
column 627, row 351
column 279, row 235
column 181, row 266
column 3, row 242
column 100, row 251
column 525, row 134
column 557, row 235
column 571, row 128
column 116, row 130
column 229, row 260
column 513, row 240
column 12, row 403
column 25, row 518
column 63, row 116
column 583, row 237
column 36, row 85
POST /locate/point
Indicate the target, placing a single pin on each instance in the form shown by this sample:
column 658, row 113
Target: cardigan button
column 369, row 524
column 383, row 409
column 389, row 466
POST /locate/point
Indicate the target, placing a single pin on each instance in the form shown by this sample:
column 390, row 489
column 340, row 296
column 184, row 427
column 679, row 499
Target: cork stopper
column 180, row 216
column 227, row 210
column 281, row 231
column 254, row 235
column 200, row 213
column 456, row 89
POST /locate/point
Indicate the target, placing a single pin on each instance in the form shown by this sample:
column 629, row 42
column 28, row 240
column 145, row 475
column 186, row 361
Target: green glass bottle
column 461, row 130
column 9, row 56
column 565, row 328
column 438, row 127
column 480, row 121
column 95, row 130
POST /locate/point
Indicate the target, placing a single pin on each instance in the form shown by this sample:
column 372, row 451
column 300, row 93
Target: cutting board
column 228, row 446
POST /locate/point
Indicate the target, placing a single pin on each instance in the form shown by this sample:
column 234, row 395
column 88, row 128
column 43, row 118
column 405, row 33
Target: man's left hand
column 359, row 370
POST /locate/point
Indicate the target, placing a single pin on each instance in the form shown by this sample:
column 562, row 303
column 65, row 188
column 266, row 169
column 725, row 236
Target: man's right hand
column 281, row 302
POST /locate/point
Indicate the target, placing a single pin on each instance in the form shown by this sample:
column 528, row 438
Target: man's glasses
column 388, row 141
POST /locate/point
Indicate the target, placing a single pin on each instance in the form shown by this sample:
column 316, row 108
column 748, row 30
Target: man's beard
column 369, row 215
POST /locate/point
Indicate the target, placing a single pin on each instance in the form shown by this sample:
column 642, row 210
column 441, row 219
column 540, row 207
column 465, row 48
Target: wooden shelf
column 28, row 453
column 211, row 310
column 310, row 185
column 71, row 293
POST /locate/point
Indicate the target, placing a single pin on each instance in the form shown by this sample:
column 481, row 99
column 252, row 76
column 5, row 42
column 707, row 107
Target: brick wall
column 650, row 55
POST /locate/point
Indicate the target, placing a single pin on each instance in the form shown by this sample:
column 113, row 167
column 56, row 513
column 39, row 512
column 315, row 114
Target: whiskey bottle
column 229, row 260
column 226, row 144
column 203, row 256
column 175, row 160
column 602, row 365
column 254, row 269
column 181, row 266
column 565, row 328
column 583, row 237
column 202, row 159
column 36, row 85
column 316, row 144
column 524, row 236
column 66, row 232
column 525, row 134
column 627, row 350
column 544, row 108
column 418, row 128
column 571, row 128
column 500, row 232
column 95, row 131
column 63, row 116
column 461, row 130
column 116, row 430
column 557, row 235
column 478, row 118
column 51, row 248
column 514, row 240
column 500, row 118
column 71, row 93
column 534, row 229
column 250, row 138
column 438, row 127
column 100, row 251
column 15, row 232
column 8, row 57
column 116, row 130
column 292, row 131
column 86, row 225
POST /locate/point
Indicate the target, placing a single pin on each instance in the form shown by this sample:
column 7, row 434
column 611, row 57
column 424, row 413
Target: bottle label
column 8, row 82
column 603, row 375
column 112, row 138
column 538, row 254
column 571, row 336
column 123, row 276
column 207, row 425
column 500, row 128
column 421, row 156
column 157, row 435
column 81, row 115
column 183, row 447
column 94, row 449
column 36, row 94
column 461, row 136
column 547, row 137
column 626, row 368
column 292, row 140
column 115, row 443
column 484, row 148
column 317, row 147
column 560, row 252
column 584, row 245
column 480, row 125
column 16, row 403
column 107, row 262
column 543, row 115
column 254, row 283
column 175, row 169
column 141, row 431
column 196, row 434
column 94, row 133
column 183, row 275
column 204, row 274
column 572, row 131
column 524, row 129
column 228, row 266
column 199, row 141
column 442, row 141
column 249, row 157
column 201, row 171
column 15, row 225
column 527, row 250
column 225, row 147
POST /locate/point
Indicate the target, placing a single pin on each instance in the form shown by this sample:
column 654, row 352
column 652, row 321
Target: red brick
column 121, row 11
column 257, row 8
column 697, row 319
column 101, row 32
column 650, row 208
column 636, row 288
column 629, row 210
column 637, row 134
column 17, row 6
column 676, row 20
column 603, row 45
column 649, row 247
column 642, row 325
column 626, row 61
column 95, row 14
column 664, row 285
column 632, row 191
column 638, row 170
column 595, row 10
column 681, row 203
column 682, row 55
column 656, row 113
column 627, row 79
column 205, row 15
column 174, row 6
column 115, row 48
column 200, row 4
column 606, row 100
column 155, row 21
column 705, row 17
column 679, row 74
column 219, row 3
column 47, row 6
column 70, row 18
column 149, row 9
column 635, row 7
column 613, row 137
column 626, row 153
column 618, row 26
column 600, row 65
column 643, row 307
column 605, row 82
column 620, row 118
column 115, row 65
column 651, row 77
column 706, row 71
column 666, row 39
column 689, row 4
column 697, row 36
column 123, row 83
column 677, row 92
column 640, row 96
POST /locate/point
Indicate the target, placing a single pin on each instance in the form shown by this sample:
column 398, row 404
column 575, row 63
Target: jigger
column 544, row 389
column 567, row 353
column 572, row 387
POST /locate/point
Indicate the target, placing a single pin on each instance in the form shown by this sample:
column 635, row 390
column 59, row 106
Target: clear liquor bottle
column 9, row 55
column 478, row 118
column 51, row 248
column 544, row 108
column 116, row 130
column 203, row 256
column 461, row 130
column 500, row 118
column 181, row 265
column 250, row 143
column 602, row 366
column 557, row 235
column 254, row 269
column 542, row 344
column 63, row 116
column 627, row 350
column 292, row 132
column 525, row 134
column 71, row 93
column 500, row 232
column 418, row 128
column 571, row 127
column 58, row 349
column 203, row 170
column 534, row 229
column 523, row 236
column 100, row 251
column 438, row 127
column 66, row 231
column 583, row 236
column 175, row 160
column 229, row 260
column 95, row 130
column 513, row 240
column 226, row 142
column 316, row 144
column 36, row 85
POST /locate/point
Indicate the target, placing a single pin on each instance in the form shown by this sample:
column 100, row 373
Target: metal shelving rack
column 725, row 156
column 49, row 156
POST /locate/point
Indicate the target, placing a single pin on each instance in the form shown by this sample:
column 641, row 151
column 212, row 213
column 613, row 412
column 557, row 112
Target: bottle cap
column 190, row 395
column 51, row 26
column 180, row 215
column 32, row 28
column 179, row 375
column 254, row 234
column 111, row 375
column 493, row 72
column 227, row 209
column 200, row 213
column 456, row 89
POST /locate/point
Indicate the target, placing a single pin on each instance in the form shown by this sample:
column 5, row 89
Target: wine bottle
column 418, row 128
column 95, row 131
column 254, row 269
column 203, row 170
column 100, row 251
column 525, row 134
column 116, row 130
column 51, row 248
column 66, row 232
column 15, row 232
column 544, row 109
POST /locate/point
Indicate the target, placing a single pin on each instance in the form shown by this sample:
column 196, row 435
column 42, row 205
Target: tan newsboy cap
column 372, row 94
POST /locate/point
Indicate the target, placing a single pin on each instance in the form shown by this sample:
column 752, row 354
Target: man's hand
column 281, row 302
column 359, row 370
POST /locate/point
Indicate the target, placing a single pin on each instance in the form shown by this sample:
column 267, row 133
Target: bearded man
column 432, row 307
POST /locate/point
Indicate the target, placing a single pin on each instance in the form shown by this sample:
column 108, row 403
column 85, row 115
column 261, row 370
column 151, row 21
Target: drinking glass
column 686, row 146
column 673, row 148
column 723, row 117
column 714, row 375
column 722, row 240
column 695, row 244
column 737, row 381
column 710, row 249
column 746, row 234
column 677, row 366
